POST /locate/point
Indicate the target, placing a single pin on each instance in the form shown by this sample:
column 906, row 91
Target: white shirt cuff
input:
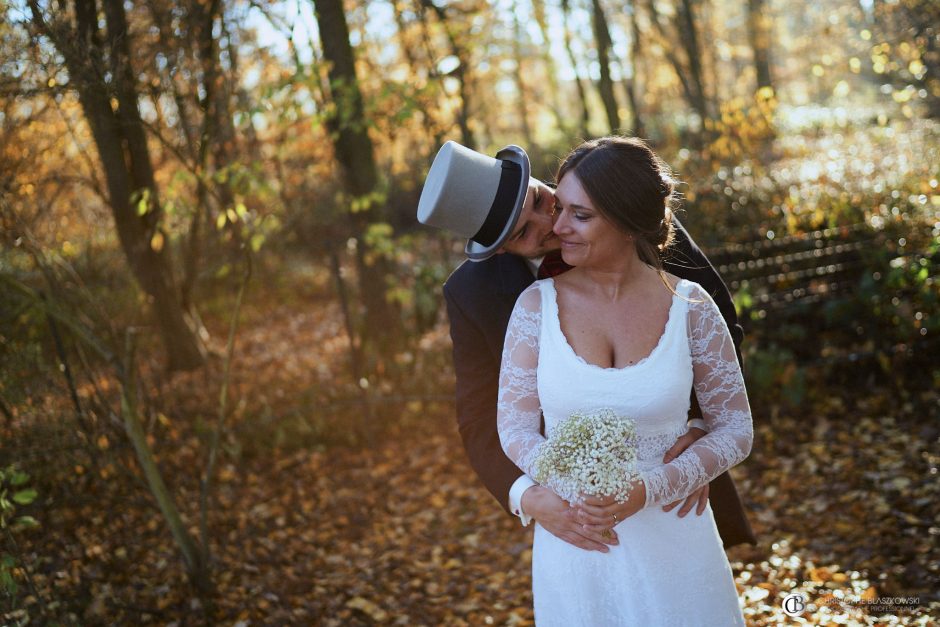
column 522, row 484
column 697, row 423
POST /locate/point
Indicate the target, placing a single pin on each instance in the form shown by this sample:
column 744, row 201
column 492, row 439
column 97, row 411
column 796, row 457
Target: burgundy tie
column 552, row 265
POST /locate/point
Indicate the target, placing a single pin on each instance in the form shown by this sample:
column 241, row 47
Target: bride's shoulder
column 679, row 286
column 694, row 295
column 698, row 299
column 567, row 281
column 531, row 297
column 672, row 280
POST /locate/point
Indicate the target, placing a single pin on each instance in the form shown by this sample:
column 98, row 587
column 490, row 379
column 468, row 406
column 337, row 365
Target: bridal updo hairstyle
column 631, row 186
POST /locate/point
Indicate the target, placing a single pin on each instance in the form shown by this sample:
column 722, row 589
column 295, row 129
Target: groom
column 507, row 218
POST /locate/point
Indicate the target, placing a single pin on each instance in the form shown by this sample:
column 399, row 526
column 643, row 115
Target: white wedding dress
column 666, row 570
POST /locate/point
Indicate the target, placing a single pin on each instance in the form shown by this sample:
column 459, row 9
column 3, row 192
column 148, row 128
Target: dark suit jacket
column 480, row 298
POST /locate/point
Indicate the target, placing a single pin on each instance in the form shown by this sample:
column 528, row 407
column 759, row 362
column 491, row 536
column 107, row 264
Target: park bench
column 785, row 276
column 809, row 294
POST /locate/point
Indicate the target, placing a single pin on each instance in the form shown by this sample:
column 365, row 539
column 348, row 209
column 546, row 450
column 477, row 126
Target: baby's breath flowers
column 589, row 453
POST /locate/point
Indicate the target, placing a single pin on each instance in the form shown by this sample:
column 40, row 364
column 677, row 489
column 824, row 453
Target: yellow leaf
column 820, row 575
column 156, row 242
column 369, row 608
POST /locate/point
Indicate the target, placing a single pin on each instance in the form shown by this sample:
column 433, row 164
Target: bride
column 618, row 332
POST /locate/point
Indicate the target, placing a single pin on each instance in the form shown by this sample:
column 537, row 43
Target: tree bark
column 688, row 35
column 691, row 87
column 355, row 153
column 605, row 85
column 119, row 136
column 520, row 83
column 193, row 554
column 631, row 84
column 551, row 68
column 461, row 73
column 582, row 93
column 758, row 31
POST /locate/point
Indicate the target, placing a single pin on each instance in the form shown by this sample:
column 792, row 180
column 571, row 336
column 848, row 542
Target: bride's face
column 588, row 238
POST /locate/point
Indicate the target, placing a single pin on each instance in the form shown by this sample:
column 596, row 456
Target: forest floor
column 394, row 528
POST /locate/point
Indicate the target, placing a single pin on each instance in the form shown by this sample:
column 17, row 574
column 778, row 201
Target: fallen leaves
column 398, row 531
column 368, row 608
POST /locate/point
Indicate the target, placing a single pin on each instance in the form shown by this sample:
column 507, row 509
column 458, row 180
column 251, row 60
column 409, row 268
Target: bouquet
column 589, row 453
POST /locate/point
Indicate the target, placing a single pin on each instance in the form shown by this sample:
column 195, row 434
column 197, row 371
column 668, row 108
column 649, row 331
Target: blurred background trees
column 156, row 153
column 205, row 127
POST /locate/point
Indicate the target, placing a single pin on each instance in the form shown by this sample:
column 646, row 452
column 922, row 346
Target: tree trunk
column 688, row 35
column 551, row 73
column 758, row 31
column 520, row 83
column 693, row 96
column 582, row 93
column 605, row 85
column 461, row 73
column 122, row 147
column 631, row 84
column 355, row 154
column 193, row 554
column 353, row 145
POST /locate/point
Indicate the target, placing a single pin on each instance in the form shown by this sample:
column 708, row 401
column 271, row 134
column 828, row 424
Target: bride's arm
column 518, row 412
column 719, row 387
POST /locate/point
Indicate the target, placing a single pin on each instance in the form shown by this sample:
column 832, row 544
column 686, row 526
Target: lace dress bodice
column 542, row 375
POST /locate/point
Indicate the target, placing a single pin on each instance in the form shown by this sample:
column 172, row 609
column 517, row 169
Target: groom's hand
column 699, row 498
column 560, row 520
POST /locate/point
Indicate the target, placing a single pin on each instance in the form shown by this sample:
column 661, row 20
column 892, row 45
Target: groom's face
column 533, row 235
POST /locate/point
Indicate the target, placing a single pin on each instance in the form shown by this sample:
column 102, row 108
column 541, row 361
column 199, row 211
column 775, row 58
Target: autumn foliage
column 226, row 394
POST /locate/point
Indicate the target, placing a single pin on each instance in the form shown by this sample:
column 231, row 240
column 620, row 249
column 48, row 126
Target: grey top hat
column 475, row 196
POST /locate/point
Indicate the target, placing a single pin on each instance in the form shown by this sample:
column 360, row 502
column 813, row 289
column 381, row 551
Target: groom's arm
column 476, row 363
column 686, row 260
column 477, row 369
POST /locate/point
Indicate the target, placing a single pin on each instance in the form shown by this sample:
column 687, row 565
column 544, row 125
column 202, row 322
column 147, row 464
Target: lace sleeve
column 518, row 412
column 719, row 387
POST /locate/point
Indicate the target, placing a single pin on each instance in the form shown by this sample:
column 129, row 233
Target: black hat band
column 501, row 209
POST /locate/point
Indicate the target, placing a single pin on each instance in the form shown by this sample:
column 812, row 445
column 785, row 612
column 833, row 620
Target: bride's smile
column 588, row 239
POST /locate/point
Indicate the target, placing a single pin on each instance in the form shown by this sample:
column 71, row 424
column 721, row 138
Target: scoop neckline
column 564, row 339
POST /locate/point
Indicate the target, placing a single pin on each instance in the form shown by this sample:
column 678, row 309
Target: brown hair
column 631, row 186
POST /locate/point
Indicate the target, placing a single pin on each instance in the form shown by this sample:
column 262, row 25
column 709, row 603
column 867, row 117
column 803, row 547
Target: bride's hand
column 559, row 519
column 604, row 512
